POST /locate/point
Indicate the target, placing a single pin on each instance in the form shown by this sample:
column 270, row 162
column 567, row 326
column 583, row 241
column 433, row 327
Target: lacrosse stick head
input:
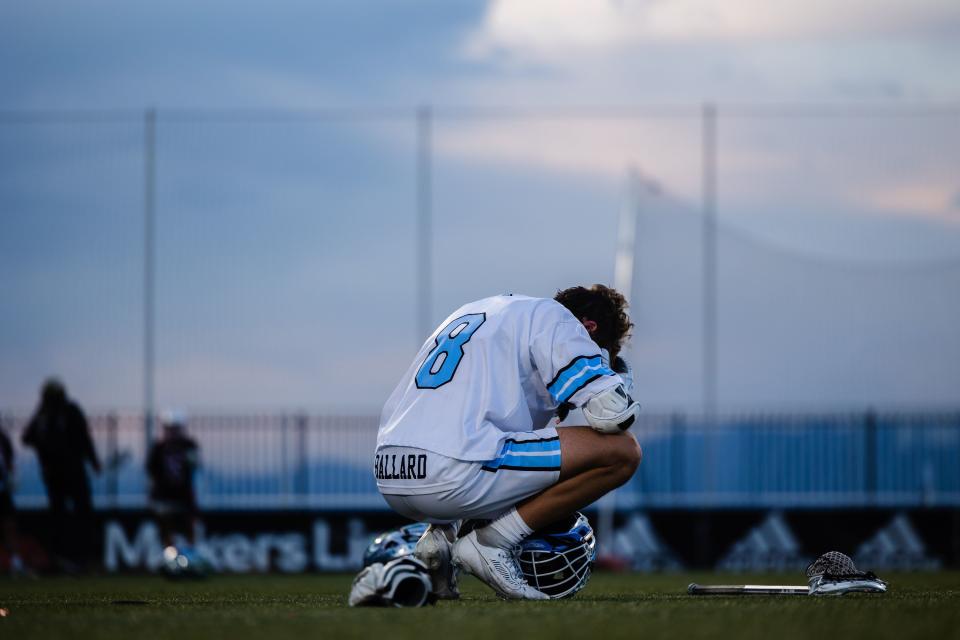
column 835, row 573
column 831, row 563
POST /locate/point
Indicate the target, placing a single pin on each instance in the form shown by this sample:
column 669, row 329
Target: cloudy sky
column 286, row 250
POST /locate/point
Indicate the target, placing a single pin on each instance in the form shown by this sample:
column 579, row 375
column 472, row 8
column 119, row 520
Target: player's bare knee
column 636, row 453
column 632, row 455
column 626, row 457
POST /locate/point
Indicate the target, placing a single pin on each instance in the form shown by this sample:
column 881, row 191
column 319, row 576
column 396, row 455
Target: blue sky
column 286, row 263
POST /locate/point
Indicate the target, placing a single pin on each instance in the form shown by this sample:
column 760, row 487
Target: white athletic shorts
column 429, row 487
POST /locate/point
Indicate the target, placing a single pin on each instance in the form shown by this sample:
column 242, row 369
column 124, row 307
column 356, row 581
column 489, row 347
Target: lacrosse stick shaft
column 747, row 590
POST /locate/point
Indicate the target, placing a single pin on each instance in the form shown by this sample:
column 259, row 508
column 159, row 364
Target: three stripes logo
column 770, row 546
column 896, row 546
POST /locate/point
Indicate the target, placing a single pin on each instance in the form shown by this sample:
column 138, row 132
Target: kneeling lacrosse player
column 467, row 433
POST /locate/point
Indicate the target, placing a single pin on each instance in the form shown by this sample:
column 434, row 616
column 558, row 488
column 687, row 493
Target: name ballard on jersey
column 400, row 467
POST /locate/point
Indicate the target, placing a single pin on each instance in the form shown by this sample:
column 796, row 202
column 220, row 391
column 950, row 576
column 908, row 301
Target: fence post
column 677, row 454
column 709, row 239
column 303, row 470
column 149, row 269
column 112, row 460
column 870, row 456
column 424, row 246
column 285, row 474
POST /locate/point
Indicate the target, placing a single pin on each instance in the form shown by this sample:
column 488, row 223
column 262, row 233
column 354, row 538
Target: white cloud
column 548, row 30
column 666, row 150
column 935, row 200
column 816, row 185
column 595, row 149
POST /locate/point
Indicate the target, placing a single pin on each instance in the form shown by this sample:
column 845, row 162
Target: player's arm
column 30, row 435
column 615, row 410
column 6, row 450
column 573, row 369
column 193, row 457
column 82, row 427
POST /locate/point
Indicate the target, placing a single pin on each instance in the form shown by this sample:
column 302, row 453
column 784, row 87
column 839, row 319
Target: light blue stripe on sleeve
column 529, row 462
column 574, row 383
column 532, row 445
column 574, row 370
column 529, row 454
column 532, row 461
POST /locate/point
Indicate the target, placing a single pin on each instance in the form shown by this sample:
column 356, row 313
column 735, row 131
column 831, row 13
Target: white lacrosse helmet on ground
column 402, row 582
column 557, row 560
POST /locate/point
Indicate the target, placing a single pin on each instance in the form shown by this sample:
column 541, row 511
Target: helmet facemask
column 557, row 561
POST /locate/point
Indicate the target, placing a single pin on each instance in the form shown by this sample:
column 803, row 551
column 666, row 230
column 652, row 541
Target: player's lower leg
column 592, row 465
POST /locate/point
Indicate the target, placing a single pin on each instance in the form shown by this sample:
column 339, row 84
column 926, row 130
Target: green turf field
column 614, row 606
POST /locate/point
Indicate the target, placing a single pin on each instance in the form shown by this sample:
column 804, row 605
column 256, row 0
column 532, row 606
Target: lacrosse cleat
column 495, row 566
column 434, row 550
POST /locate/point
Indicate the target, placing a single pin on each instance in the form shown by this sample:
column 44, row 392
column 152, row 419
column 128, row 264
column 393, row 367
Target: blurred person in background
column 171, row 465
column 59, row 432
column 8, row 522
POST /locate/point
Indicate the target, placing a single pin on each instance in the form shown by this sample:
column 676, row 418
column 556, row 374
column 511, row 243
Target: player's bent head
column 605, row 306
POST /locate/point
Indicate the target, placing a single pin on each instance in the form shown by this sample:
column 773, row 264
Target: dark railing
column 323, row 462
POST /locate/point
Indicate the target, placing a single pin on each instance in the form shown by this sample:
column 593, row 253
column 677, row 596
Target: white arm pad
column 611, row 411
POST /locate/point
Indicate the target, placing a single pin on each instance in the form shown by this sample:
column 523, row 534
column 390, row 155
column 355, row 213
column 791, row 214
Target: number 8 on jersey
column 442, row 362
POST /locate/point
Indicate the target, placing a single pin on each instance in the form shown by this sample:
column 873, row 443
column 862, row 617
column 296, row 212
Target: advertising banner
column 648, row 540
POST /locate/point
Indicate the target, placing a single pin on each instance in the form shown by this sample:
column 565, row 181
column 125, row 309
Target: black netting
column 832, row 563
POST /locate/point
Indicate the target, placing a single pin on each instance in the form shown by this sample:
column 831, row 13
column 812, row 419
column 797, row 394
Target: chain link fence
column 787, row 257
column 323, row 462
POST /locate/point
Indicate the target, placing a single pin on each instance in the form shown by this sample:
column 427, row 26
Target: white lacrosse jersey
column 493, row 367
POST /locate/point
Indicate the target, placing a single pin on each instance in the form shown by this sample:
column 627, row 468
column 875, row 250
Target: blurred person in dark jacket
column 8, row 522
column 59, row 432
column 171, row 466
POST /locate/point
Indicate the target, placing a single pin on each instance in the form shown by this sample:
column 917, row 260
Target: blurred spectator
column 171, row 465
column 8, row 523
column 59, row 433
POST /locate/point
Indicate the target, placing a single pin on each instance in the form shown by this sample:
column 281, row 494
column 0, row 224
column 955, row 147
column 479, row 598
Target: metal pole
column 424, row 245
column 149, row 214
column 709, row 260
column 112, row 460
column 623, row 267
column 626, row 236
column 870, row 483
column 303, row 460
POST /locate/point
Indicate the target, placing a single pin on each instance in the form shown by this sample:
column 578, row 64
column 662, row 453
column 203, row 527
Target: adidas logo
column 637, row 543
column 895, row 546
column 770, row 546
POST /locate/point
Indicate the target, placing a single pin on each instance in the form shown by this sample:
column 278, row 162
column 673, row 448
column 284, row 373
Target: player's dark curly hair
column 605, row 306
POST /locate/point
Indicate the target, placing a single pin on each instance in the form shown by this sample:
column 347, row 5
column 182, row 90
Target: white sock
column 505, row 532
